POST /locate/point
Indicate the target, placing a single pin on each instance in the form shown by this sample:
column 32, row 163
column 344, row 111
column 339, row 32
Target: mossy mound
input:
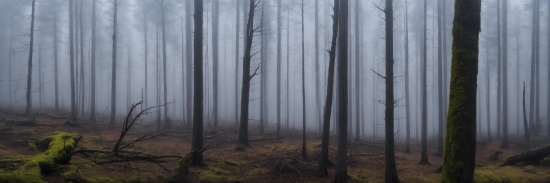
column 60, row 147
column 494, row 174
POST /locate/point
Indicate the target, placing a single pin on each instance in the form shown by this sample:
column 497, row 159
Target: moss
column 5, row 127
column 257, row 171
column 184, row 164
column 530, row 169
column 135, row 179
column 59, row 151
column 545, row 162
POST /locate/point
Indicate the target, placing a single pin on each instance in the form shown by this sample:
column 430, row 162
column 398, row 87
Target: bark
column 29, row 66
column 487, row 92
column 263, row 60
column 304, row 152
column 197, row 141
column 189, row 66
column 215, row 19
column 287, row 69
column 93, row 73
column 167, row 123
column 391, row 171
column 533, row 69
column 145, row 49
column 424, row 154
column 505, row 75
column 279, row 67
column 537, row 71
column 341, row 158
column 113, row 73
column 407, row 100
column 323, row 161
column 460, row 139
column 243, row 128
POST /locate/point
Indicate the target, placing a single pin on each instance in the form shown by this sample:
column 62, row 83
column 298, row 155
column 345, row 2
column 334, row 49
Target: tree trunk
column 534, row 156
column 391, row 172
column 499, row 76
column 460, row 139
column 538, row 126
column 237, row 27
column 317, row 76
column 189, row 58
column 548, row 99
column 40, row 79
column 357, row 71
column 145, row 49
column 197, row 141
column 215, row 19
column 113, row 74
column 93, row 74
column 533, row 69
column 304, row 154
column 81, row 59
column 341, row 158
column 505, row 76
column 287, row 69
column 263, row 60
column 525, row 125
column 440, row 99
column 323, row 161
column 424, row 156
column 243, row 129
column 29, row 70
column 279, row 67
column 72, row 60
column 407, row 100
column 487, row 92
column 167, row 123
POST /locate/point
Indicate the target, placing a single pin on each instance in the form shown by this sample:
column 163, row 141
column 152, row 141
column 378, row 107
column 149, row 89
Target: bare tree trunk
column 157, row 73
column 487, row 92
column 407, row 100
column 197, row 141
column 263, row 60
column 189, row 56
column 72, row 60
column 113, row 77
column 357, row 69
column 167, row 123
column 323, row 161
column 525, row 125
column 29, row 70
column 538, row 127
column 341, row 158
column 243, row 129
column 81, row 59
column 40, row 78
column 215, row 19
column 304, row 152
column 145, row 49
column 93, row 74
column 505, row 76
column 317, row 71
column 279, row 68
column 237, row 27
column 499, row 76
column 128, row 82
column 287, row 69
column 440, row 68
column 460, row 139
column 533, row 69
column 10, row 91
column 391, row 171
column 424, row 157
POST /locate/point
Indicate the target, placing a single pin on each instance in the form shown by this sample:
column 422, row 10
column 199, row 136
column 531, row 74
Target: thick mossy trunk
column 534, row 156
column 60, row 148
column 460, row 140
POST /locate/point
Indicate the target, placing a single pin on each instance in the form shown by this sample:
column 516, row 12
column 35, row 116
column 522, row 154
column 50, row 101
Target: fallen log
column 534, row 156
column 60, row 148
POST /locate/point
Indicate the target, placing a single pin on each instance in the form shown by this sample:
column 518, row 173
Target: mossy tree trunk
column 460, row 139
column 197, row 141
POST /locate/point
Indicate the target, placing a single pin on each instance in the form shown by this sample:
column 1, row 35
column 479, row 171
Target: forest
column 288, row 91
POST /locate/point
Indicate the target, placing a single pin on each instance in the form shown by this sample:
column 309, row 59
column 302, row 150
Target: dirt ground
column 268, row 160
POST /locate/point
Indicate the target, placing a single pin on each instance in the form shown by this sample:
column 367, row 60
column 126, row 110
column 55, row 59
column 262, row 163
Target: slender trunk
column 215, row 19
column 505, row 75
column 323, row 161
column 81, row 60
column 237, row 27
column 357, row 69
column 10, row 75
column 317, row 71
column 29, row 70
column 525, row 125
column 145, row 49
column 533, row 70
column 197, row 141
column 440, row 99
column 499, row 76
column 407, row 100
column 189, row 58
column 72, row 60
column 304, row 152
column 128, row 82
column 341, row 158
column 167, row 123
column 279, row 67
column 537, row 121
column 263, row 45
column 424, row 116
column 40, row 79
column 391, row 171
column 93, row 74
column 488, row 91
column 113, row 73
column 287, row 69
column 243, row 128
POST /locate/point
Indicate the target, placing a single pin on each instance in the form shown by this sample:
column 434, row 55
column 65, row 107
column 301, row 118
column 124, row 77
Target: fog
column 140, row 21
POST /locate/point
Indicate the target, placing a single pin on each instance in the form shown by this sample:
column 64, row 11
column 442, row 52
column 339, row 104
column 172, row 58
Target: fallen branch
column 535, row 156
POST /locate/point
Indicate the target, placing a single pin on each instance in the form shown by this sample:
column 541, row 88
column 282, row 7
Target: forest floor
column 268, row 159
